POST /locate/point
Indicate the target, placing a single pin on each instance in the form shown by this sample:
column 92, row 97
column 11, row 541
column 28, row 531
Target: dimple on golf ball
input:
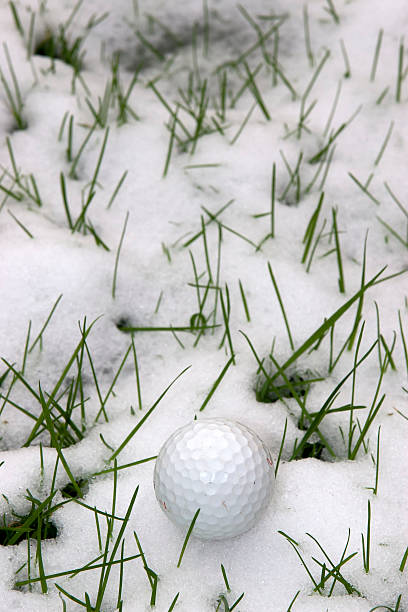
column 221, row 468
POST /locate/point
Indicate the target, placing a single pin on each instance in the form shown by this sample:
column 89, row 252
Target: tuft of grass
column 108, row 560
column 318, row 335
column 330, row 573
column 115, row 98
column 12, row 92
column 70, row 492
column 297, row 384
column 372, row 412
column 227, row 607
column 20, row 187
column 65, row 46
column 36, row 524
column 59, row 422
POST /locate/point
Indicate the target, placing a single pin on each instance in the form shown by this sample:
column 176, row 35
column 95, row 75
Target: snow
column 326, row 498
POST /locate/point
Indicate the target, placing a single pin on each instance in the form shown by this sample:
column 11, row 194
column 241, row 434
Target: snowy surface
column 154, row 286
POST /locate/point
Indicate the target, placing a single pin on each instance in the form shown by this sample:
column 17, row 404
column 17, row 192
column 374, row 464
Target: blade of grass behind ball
column 216, row 383
column 146, row 416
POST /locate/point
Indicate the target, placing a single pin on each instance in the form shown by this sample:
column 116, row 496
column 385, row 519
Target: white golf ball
column 221, row 468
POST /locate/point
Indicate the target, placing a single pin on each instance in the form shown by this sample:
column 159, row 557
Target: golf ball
column 221, row 468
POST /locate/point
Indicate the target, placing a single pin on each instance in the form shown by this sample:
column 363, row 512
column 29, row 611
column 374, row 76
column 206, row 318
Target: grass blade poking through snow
column 151, row 575
column 226, row 314
column 318, row 418
column 20, row 224
column 374, row 489
column 366, row 542
column 311, row 227
column 145, row 417
column 404, row 560
column 224, row 575
column 244, row 301
column 334, row 572
column 275, row 285
column 328, row 323
column 54, row 439
column 326, row 574
column 273, row 198
column 217, row 382
column 51, row 396
column 14, row 98
column 376, row 55
column 306, row 28
column 106, row 569
column 189, row 531
column 401, row 72
column 173, row 603
column 139, row 392
column 338, row 252
column 360, row 301
column 295, row 546
column 373, row 411
column 281, row 447
column 48, row 319
column 115, row 271
column 65, row 201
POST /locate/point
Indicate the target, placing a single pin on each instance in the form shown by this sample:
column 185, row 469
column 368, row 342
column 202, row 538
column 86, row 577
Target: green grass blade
column 186, row 539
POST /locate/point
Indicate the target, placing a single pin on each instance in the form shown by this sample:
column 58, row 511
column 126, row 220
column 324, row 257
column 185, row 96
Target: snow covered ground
column 203, row 213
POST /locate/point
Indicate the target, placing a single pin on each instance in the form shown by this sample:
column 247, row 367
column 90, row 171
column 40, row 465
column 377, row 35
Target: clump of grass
column 70, row 492
column 20, row 187
column 330, row 573
column 12, row 92
column 268, row 391
column 65, row 46
column 114, row 98
column 104, row 562
column 36, row 523
column 83, row 223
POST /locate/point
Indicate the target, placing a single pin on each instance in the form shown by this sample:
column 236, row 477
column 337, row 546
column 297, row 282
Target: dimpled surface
column 219, row 466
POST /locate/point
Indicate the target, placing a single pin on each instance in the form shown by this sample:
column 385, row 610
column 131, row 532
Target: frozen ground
column 217, row 187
